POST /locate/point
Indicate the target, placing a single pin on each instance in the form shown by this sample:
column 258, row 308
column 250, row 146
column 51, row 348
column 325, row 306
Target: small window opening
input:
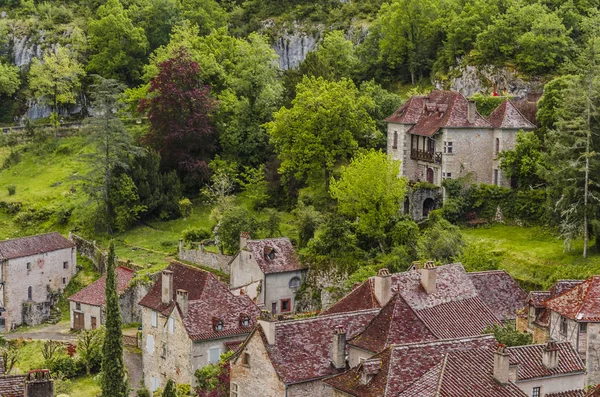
column 246, row 359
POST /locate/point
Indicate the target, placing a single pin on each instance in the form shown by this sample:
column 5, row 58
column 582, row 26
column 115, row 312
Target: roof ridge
column 446, row 341
column 441, row 375
column 31, row 236
column 332, row 315
column 519, row 112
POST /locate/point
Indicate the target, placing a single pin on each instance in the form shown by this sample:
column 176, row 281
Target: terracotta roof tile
column 95, row 293
column 562, row 286
column 530, row 363
column 283, row 256
column 581, row 303
column 360, row 298
column 500, row 292
column 208, row 298
column 409, row 112
column 33, row 245
column 537, row 298
column 506, row 115
column 594, row 392
column 302, row 348
column 12, row 385
column 570, row 393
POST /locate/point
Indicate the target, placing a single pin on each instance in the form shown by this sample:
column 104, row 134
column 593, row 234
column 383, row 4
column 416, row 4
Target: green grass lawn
column 30, row 357
column 535, row 255
column 84, row 386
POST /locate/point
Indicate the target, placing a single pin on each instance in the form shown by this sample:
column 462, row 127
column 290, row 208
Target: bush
column 185, row 207
column 65, row 367
column 479, row 255
column 142, row 392
column 12, row 189
column 195, row 235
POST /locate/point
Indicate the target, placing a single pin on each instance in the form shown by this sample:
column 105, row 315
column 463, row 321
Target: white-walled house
column 189, row 318
column 87, row 306
column 269, row 272
column 32, row 271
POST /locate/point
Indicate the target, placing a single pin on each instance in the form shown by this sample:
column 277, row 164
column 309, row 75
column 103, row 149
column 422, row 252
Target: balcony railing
column 425, row 155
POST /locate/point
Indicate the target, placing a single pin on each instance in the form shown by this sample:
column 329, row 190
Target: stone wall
column 128, row 301
column 90, row 250
column 204, row 258
column 35, row 313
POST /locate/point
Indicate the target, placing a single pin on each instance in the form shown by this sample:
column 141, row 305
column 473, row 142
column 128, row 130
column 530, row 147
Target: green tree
column 370, row 190
column 56, row 79
column 157, row 17
column 125, row 202
column 441, row 241
column 508, row 335
column 307, row 221
column 113, row 381
column 118, row 48
column 324, row 127
column 333, row 60
column 9, row 79
column 89, row 347
column 550, row 102
column 234, row 221
column 206, row 14
column 524, row 161
column 169, row 389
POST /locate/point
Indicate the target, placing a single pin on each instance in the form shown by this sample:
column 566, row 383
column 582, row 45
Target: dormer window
column 245, row 321
column 218, row 324
column 269, row 253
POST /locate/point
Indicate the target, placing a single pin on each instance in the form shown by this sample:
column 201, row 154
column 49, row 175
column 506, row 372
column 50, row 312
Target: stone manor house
column 32, row 271
column 442, row 136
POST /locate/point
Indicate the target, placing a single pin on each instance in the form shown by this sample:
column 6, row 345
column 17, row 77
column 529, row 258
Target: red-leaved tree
column 179, row 109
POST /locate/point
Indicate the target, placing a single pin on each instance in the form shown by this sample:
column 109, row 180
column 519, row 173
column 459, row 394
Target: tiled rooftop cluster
column 95, row 293
column 274, row 255
column 33, row 245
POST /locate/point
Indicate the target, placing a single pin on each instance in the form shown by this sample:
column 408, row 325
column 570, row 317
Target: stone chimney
column 550, row 355
column 369, row 368
column 244, row 237
column 167, row 286
column 267, row 322
column 471, row 111
column 429, row 277
column 501, row 364
column 338, row 349
column 182, row 301
column 382, row 285
column 39, row 384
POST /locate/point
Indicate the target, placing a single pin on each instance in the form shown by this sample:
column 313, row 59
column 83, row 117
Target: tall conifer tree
column 169, row 389
column 114, row 382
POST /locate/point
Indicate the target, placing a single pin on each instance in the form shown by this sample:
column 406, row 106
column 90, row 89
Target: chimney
column 267, row 322
column 244, row 237
column 167, row 286
column 182, row 301
column 501, row 364
column 429, row 277
column 39, row 384
column 338, row 349
column 471, row 111
column 383, row 286
column 550, row 355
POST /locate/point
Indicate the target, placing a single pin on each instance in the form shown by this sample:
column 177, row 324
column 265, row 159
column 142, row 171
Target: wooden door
column 94, row 322
column 430, row 175
column 78, row 321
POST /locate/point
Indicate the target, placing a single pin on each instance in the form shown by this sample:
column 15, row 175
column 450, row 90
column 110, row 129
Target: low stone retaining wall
column 202, row 257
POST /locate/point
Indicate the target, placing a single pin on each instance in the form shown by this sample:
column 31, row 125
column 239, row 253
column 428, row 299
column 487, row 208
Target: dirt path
column 59, row 331
column 133, row 362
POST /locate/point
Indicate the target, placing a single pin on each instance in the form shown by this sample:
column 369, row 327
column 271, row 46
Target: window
column 64, row 281
column 155, row 385
column 446, row 175
column 65, row 265
column 213, row 355
column 28, row 266
column 273, row 307
column 536, row 392
column 496, row 177
column 395, row 144
column 154, row 318
column 295, row 283
column 582, row 328
column 233, row 390
column 29, row 293
column 563, row 325
column 171, row 325
column 246, row 359
column 497, row 145
column 448, row 147
column 77, row 306
column 286, row 305
column 218, row 325
column 150, row 344
column 245, row 321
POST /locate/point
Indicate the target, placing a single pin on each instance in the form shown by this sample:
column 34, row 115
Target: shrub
column 185, row 207
column 195, row 234
column 12, row 189
column 142, row 392
column 65, row 367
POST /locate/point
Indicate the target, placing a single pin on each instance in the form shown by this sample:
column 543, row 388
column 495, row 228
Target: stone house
column 33, row 270
column 475, row 367
column 87, row 306
column 574, row 316
column 442, row 136
column 268, row 271
column 290, row 358
column 189, row 318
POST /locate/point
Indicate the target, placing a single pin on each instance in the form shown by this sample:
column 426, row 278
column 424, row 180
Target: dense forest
column 189, row 102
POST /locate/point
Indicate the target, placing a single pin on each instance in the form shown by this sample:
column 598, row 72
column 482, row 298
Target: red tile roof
column 302, row 348
column 284, row 257
column 12, row 385
column 594, row 392
column 500, row 292
column 33, row 245
column 95, row 293
column 360, row 298
column 562, row 286
column 530, row 363
column 537, row 298
column 450, row 368
column 439, row 109
column 208, row 299
column 508, row 116
column 581, row 303
column 570, row 393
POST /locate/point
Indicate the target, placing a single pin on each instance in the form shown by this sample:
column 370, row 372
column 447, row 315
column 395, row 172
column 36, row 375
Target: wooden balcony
column 425, row 155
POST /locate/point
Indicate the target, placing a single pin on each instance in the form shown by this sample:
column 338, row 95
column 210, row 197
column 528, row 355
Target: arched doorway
column 430, row 175
column 428, row 205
